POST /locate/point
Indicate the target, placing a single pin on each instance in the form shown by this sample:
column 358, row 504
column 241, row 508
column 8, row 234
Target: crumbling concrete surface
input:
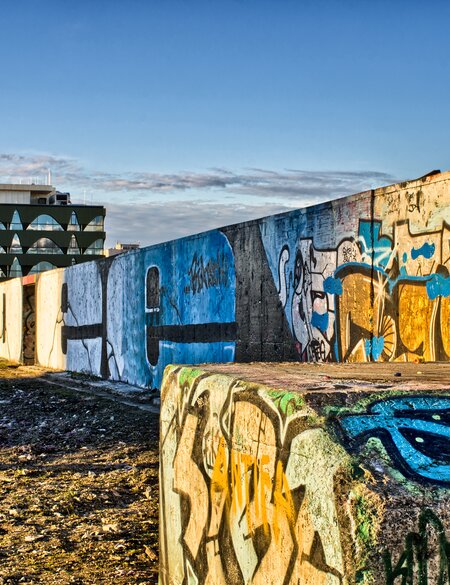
column 303, row 474
column 78, row 485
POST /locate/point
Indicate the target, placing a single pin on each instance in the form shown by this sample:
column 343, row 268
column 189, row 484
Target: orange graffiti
column 245, row 471
column 284, row 505
column 416, row 320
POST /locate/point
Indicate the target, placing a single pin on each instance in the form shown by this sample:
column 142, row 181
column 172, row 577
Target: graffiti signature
column 213, row 273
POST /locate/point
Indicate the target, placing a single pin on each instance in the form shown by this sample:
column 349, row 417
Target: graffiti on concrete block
column 313, row 311
column 425, row 559
column 159, row 332
column 414, row 429
column 235, row 478
column 254, row 490
column 78, row 313
column 189, row 312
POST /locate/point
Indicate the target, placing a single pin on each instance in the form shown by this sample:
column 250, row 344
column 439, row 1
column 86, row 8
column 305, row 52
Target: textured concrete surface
column 305, row 474
column 306, row 376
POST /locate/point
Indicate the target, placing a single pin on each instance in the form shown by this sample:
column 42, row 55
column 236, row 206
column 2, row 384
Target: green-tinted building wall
column 35, row 237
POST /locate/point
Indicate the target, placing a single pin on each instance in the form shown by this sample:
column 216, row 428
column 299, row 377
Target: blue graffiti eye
column 415, row 431
column 436, row 447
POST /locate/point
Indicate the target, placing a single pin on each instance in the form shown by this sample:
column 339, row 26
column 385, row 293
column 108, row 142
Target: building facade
column 120, row 248
column 41, row 229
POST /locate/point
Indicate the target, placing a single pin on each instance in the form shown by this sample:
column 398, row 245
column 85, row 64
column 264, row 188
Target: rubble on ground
column 78, row 486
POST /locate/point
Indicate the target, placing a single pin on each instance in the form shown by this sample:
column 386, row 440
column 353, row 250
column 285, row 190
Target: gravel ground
column 78, row 485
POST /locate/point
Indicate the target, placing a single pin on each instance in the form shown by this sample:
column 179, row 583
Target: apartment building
column 41, row 229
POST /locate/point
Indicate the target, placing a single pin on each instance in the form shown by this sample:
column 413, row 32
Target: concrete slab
column 306, row 376
column 299, row 473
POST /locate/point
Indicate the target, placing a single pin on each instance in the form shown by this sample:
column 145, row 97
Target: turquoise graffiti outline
column 388, row 416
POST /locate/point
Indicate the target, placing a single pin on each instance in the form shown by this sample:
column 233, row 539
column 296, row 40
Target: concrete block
column 313, row 475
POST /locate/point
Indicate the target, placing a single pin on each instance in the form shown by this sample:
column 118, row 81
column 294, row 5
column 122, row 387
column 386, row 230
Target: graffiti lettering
column 254, row 525
column 421, row 562
column 418, row 429
column 213, row 273
column 413, row 200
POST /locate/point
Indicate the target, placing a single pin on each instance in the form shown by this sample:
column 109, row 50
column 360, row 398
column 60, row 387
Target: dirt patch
column 78, row 486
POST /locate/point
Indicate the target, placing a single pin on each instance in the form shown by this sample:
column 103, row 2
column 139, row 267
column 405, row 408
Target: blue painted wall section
column 189, row 303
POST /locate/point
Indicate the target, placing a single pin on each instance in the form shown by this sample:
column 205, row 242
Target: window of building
column 73, row 246
column 41, row 267
column 96, row 225
column 2, row 226
column 45, row 222
column 95, row 248
column 15, row 269
column 15, row 224
column 44, row 246
column 73, row 226
column 15, row 247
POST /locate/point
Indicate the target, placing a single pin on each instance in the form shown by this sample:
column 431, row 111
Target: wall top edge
column 305, row 376
column 414, row 183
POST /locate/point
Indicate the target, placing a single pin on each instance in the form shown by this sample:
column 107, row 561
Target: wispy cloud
column 289, row 183
column 14, row 167
column 150, row 223
column 244, row 195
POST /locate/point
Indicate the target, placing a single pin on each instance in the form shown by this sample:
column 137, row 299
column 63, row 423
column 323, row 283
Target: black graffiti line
column 58, row 321
column 112, row 356
column 415, row 555
column 174, row 305
column 90, row 331
column 193, row 333
column 83, row 343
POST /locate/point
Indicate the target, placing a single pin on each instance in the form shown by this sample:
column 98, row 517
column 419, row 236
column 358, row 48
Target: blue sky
column 182, row 116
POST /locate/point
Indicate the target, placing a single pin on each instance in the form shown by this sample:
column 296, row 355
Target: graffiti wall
column 127, row 317
column 270, row 486
column 29, row 325
column 364, row 278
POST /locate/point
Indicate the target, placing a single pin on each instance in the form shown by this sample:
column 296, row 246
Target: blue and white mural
column 128, row 317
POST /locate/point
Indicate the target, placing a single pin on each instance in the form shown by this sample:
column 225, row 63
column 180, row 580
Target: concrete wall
column 11, row 314
column 265, row 485
column 49, row 320
column 363, row 278
column 127, row 317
